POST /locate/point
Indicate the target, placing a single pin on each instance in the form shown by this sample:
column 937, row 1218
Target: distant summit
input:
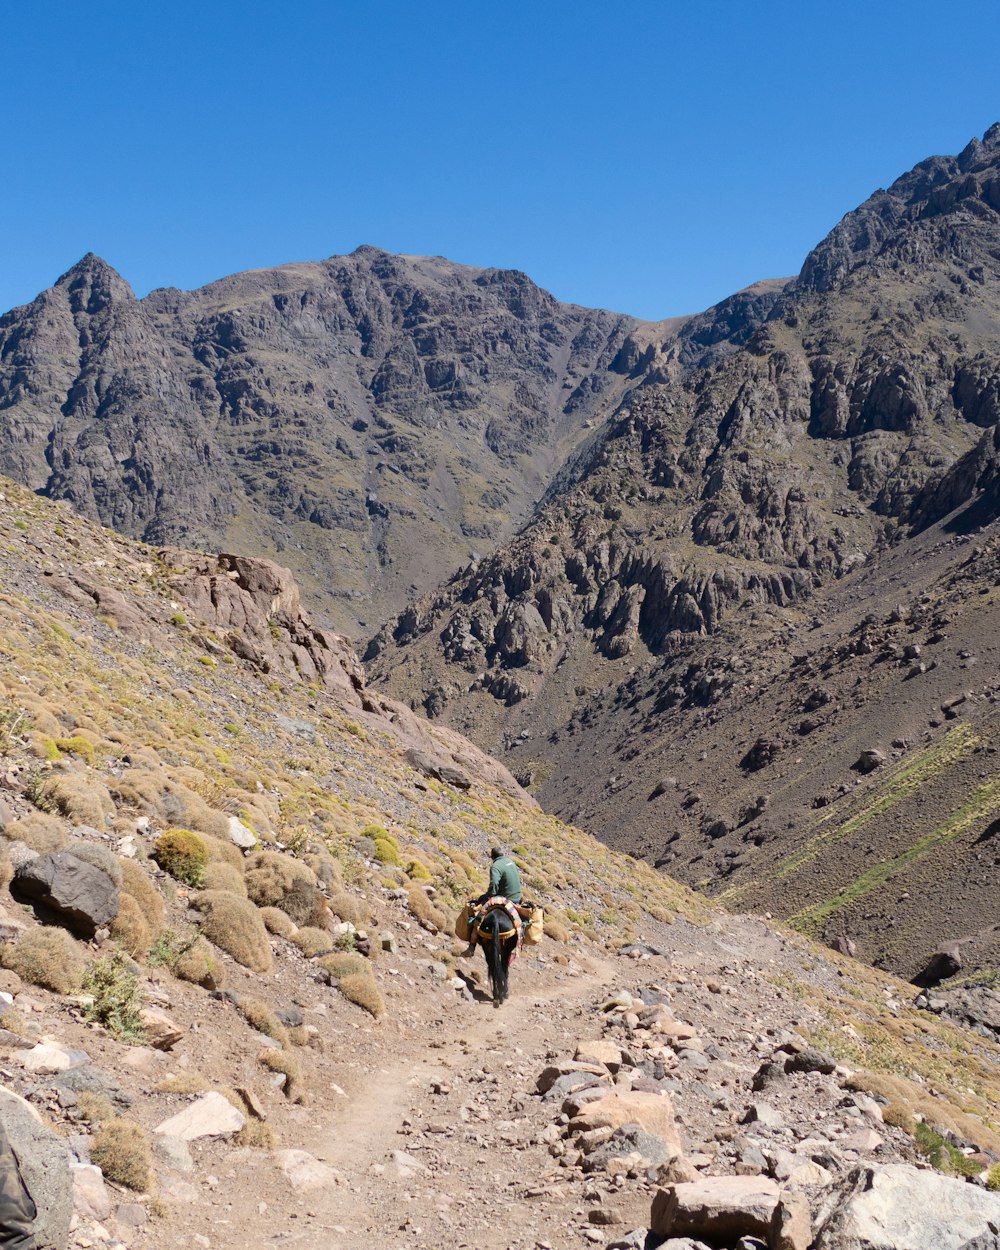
column 371, row 419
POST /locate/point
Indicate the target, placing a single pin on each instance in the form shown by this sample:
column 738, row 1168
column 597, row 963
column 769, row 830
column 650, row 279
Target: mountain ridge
column 323, row 410
column 840, row 418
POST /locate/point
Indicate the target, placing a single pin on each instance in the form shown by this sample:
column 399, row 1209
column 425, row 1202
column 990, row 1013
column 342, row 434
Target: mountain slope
column 141, row 688
column 371, row 418
column 767, row 458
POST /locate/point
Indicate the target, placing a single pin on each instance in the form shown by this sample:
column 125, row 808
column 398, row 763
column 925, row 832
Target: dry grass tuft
column 284, row 1061
column 39, row 831
column 361, row 989
column 350, row 909
column 276, row 880
column 909, row 1099
column 344, row 963
column 200, row 965
column 556, row 930
column 277, row 922
column 183, row 854
column 422, row 907
column 326, row 868
column 222, row 876
column 255, row 1135
column 121, row 1150
column 260, row 1017
column 138, row 886
column 72, row 795
column 234, row 925
column 312, row 942
column 182, row 1083
column 130, row 928
column 46, row 957
column 94, row 1108
column 223, row 851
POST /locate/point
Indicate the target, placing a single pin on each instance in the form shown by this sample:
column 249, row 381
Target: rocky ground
column 606, row 1083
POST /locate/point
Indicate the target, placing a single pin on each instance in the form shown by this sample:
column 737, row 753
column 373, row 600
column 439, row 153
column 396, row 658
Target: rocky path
column 554, row 1122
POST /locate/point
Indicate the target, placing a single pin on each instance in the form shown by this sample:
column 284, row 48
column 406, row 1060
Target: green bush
column 183, row 854
column 116, row 1005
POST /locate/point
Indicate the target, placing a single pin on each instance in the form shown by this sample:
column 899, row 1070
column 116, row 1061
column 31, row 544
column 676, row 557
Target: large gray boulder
column 70, row 890
column 44, row 1160
column 898, row 1207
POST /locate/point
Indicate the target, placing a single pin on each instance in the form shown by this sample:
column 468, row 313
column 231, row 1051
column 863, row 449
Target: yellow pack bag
column 535, row 929
column 462, row 930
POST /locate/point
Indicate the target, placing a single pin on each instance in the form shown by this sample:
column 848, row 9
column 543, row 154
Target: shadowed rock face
column 373, row 417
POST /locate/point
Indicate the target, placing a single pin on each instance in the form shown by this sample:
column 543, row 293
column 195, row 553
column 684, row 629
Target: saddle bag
column 463, row 930
column 534, row 923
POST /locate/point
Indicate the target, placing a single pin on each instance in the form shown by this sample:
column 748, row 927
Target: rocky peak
column 93, row 285
column 935, row 188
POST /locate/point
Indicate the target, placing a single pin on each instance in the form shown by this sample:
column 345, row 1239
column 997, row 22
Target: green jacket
column 505, row 879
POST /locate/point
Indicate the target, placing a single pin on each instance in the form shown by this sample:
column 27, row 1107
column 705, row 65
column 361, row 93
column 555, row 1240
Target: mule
column 496, row 933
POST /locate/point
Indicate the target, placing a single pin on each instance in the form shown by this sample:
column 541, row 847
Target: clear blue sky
column 645, row 156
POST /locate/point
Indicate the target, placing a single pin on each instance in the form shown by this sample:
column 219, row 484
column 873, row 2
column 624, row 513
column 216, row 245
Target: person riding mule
column 495, row 922
column 498, row 929
column 505, row 880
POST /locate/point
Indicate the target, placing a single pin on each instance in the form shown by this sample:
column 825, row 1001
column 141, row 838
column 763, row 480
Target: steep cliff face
column 774, row 444
column 373, row 418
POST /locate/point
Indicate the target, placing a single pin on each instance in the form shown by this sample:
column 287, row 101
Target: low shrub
column 121, row 1150
column 222, row 876
column 183, row 854
column 46, row 957
column 137, row 884
column 312, row 941
column 40, row 831
column 285, row 1062
column 117, row 1002
column 362, row 990
column 277, row 922
column 130, row 928
column 260, row 1017
column 235, row 926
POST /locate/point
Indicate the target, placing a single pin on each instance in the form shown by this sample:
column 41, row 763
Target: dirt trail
column 438, row 1146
